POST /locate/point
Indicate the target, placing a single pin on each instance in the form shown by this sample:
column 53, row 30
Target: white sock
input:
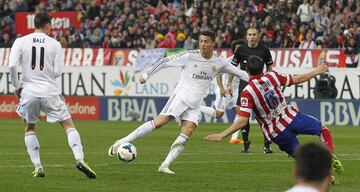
column 176, row 148
column 33, row 148
column 75, row 143
column 208, row 110
column 142, row 130
column 236, row 134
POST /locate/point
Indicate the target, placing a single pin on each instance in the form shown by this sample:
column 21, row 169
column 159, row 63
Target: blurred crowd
column 306, row 24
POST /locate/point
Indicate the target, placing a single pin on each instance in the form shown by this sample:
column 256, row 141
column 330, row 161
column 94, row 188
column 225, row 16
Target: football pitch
column 203, row 166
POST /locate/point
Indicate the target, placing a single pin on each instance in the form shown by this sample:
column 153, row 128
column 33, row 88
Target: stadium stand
column 176, row 23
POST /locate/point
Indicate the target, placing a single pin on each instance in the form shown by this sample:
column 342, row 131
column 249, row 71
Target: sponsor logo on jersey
column 202, row 76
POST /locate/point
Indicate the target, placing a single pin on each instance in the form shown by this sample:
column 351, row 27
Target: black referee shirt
column 244, row 51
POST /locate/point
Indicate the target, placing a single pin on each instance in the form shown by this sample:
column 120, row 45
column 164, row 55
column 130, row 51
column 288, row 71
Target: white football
column 126, row 152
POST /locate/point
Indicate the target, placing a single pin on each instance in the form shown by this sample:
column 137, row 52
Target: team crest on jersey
column 244, row 102
column 213, row 67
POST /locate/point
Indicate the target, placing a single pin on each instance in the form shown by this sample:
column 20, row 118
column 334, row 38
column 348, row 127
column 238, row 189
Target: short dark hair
column 313, row 162
column 255, row 65
column 208, row 33
column 235, row 43
column 41, row 19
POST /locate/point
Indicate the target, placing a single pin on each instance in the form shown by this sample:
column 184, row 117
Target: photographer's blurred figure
column 313, row 168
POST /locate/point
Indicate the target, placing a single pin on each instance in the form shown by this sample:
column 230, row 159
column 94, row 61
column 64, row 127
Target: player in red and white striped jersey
column 279, row 122
column 268, row 102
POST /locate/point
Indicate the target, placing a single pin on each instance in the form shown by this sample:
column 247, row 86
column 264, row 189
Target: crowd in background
column 306, row 24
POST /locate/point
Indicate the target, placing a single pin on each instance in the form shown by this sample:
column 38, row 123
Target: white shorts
column 222, row 103
column 54, row 108
column 177, row 108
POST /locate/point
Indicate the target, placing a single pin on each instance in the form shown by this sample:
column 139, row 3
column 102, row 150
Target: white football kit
column 41, row 60
column 221, row 103
column 196, row 76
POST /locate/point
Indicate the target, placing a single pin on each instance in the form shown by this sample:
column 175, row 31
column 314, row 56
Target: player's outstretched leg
column 83, row 167
column 176, row 148
column 326, row 138
column 142, row 130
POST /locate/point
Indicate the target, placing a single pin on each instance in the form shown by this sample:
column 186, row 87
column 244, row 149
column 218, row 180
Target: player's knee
column 188, row 128
column 161, row 121
column 68, row 123
column 29, row 127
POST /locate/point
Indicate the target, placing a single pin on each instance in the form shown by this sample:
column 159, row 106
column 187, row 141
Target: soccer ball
column 126, row 152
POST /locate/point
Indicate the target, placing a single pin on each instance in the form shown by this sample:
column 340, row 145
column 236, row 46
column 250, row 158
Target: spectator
column 352, row 50
column 150, row 44
column 5, row 41
column 168, row 42
column 305, row 12
column 180, row 39
column 131, row 20
column 308, row 43
column 322, row 22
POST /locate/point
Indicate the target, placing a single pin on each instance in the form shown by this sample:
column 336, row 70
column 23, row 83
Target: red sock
column 325, row 137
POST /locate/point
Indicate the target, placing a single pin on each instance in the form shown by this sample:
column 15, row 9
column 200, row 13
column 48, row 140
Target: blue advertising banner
column 330, row 112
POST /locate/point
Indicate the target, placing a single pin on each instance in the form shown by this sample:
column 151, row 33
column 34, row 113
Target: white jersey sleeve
column 178, row 60
column 14, row 61
column 58, row 62
column 229, row 68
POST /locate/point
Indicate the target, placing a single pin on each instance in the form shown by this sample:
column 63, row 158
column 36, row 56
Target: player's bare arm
column 307, row 76
column 220, row 84
column 229, row 83
column 239, row 124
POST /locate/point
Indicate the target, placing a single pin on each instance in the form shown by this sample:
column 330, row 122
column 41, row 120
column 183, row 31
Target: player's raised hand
column 322, row 68
column 17, row 92
column 214, row 137
column 142, row 80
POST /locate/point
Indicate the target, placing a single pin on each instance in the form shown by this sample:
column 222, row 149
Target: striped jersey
column 197, row 74
column 263, row 96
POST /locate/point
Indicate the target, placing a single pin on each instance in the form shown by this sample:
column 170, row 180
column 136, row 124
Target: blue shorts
column 301, row 125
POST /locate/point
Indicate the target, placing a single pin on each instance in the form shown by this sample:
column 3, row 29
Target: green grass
column 203, row 166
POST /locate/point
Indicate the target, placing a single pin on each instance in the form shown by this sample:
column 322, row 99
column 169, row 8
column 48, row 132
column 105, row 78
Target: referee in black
column 252, row 47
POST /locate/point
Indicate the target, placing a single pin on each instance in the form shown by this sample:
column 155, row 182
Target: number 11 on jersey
column 33, row 58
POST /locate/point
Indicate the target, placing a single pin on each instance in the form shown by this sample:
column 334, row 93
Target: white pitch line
column 157, row 163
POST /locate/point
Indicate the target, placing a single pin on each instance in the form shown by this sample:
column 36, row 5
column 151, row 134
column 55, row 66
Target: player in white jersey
column 41, row 60
column 224, row 98
column 199, row 68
